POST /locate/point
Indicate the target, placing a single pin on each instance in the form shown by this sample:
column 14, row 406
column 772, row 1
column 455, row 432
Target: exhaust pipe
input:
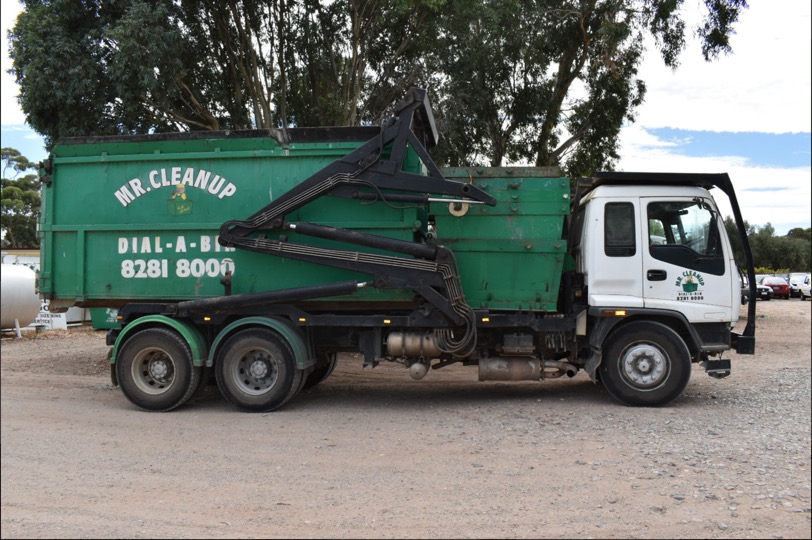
column 562, row 368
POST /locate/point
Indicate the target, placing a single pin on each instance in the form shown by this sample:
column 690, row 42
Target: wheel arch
column 603, row 327
column 190, row 334
column 648, row 364
column 288, row 332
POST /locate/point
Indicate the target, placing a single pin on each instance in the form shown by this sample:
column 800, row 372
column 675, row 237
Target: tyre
column 802, row 296
column 204, row 389
column 256, row 370
column 645, row 364
column 325, row 365
column 155, row 370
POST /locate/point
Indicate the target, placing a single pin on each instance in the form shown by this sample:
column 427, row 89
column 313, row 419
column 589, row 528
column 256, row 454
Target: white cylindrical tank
column 19, row 299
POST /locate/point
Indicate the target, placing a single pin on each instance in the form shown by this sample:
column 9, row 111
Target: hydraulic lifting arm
column 365, row 173
column 371, row 172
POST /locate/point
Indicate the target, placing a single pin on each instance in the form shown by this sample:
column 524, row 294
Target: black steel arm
column 372, row 171
column 412, row 126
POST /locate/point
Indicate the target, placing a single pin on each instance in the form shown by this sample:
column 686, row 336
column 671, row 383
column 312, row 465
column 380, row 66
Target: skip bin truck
column 259, row 256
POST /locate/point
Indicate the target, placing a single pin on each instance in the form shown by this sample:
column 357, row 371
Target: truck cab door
column 684, row 263
column 611, row 252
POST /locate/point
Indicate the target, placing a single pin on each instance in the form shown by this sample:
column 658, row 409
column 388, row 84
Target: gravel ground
column 371, row 453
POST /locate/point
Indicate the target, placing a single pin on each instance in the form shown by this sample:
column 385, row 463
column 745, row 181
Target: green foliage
column 508, row 95
column 779, row 251
column 801, row 234
column 548, row 82
column 137, row 66
column 20, row 201
column 717, row 26
column 773, row 254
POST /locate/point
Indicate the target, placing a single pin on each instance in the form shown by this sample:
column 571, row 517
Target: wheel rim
column 255, row 372
column 644, row 366
column 153, row 371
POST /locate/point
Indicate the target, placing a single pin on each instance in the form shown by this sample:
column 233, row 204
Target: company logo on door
column 690, row 285
column 178, row 179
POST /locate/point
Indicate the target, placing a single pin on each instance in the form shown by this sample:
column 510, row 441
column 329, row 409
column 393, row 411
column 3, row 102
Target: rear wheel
column 325, row 364
column 256, row 370
column 645, row 364
column 155, row 370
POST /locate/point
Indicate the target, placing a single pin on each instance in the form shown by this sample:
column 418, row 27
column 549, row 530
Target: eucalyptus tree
column 551, row 82
column 96, row 67
column 19, row 201
column 545, row 82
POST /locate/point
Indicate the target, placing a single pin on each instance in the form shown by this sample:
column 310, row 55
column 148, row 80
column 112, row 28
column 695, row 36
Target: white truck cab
column 659, row 247
column 661, row 286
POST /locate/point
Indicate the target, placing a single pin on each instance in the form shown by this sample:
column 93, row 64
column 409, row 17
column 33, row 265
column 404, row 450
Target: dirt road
column 373, row 454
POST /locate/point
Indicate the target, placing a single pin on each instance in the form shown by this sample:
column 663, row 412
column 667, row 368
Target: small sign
column 50, row 321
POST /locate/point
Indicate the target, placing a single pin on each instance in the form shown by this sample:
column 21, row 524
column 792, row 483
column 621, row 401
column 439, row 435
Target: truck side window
column 618, row 230
column 686, row 234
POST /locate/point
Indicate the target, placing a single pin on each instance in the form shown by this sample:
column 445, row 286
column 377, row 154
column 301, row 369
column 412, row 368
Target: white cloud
column 773, row 195
column 764, row 86
column 779, row 196
column 10, row 112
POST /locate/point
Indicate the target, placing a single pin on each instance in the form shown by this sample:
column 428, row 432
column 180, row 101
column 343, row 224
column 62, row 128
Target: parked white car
column 795, row 279
column 804, row 287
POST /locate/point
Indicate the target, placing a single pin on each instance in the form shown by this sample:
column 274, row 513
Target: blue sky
column 748, row 114
column 761, row 149
column 24, row 139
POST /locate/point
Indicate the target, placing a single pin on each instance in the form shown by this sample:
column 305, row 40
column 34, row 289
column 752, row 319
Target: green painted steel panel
column 104, row 318
column 137, row 219
column 510, row 256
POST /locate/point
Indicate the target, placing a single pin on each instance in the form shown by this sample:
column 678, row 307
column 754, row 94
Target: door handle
column 656, row 275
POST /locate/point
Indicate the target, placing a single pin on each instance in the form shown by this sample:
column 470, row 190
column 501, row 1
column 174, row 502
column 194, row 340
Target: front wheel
column 155, row 370
column 256, row 370
column 645, row 364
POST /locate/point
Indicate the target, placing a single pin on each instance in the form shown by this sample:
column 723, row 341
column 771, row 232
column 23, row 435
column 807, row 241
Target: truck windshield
column 684, row 224
column 685, row 233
